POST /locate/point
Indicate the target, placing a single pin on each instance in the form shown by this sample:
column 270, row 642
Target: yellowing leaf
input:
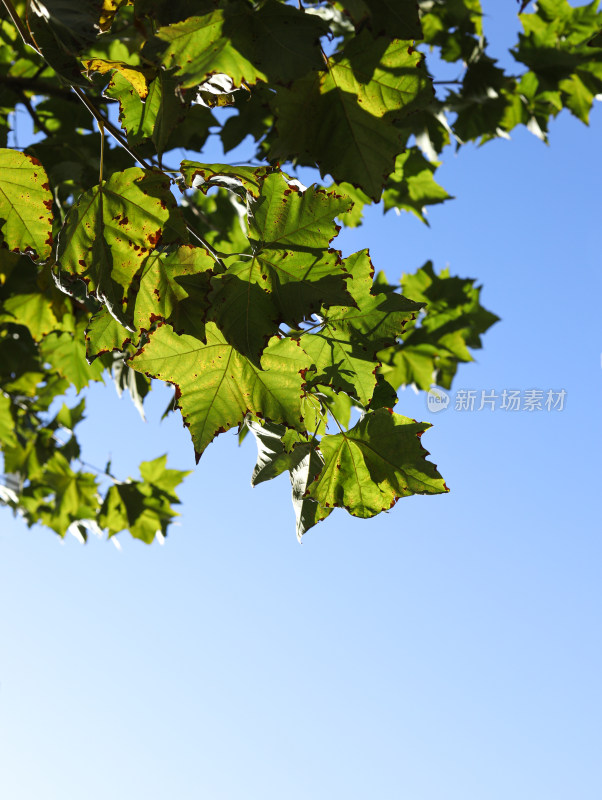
column 109, row 9
column 133, row 75
column 25, row 205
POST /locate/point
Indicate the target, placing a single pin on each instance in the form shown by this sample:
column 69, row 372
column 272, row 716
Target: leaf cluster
column 124, row 253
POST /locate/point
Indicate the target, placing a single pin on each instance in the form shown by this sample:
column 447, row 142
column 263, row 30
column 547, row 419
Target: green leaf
column 579, row 96
column 217, row 387
column 156, row 474
column 291, row 273
column 199, row 47
column 175, row 287
column 272, row 43
column 110, row 230
column 32, row 310
column 344, row 350
column 411, row 186
column 281, row 40
column 378, row 316
column 431, row 350
column 75, row 495
column 143, row 507
column 25, row 205
column 157, row 114
column 557, row 47
column 287, row 216
column 66, row 354
column 70, row 416
column 344, row 118
column 72, row 161
column 341, row 361
column 104, row 335
column 339, row 404
column 453, row 303
column 7, row 423
column 407, row 364
column 353, row 217
column 368, row 468
column 455, row 26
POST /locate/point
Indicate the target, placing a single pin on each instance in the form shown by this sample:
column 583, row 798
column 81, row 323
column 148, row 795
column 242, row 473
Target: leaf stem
column 101, row 130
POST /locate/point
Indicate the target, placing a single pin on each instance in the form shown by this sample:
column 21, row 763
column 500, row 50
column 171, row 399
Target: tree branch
column 37, row 86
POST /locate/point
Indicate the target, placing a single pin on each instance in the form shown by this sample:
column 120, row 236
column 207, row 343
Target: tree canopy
column 124, row 256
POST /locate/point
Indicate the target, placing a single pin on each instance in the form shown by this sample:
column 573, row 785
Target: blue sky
column 448, row 650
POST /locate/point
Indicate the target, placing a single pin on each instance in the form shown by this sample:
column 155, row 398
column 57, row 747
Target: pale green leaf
column 217, row 387
column 368, row 468
column 25, row 205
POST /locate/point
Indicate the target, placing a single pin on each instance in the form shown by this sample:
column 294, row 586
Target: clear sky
column 448, row 650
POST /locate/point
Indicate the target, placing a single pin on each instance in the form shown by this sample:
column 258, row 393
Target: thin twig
column 18, row 23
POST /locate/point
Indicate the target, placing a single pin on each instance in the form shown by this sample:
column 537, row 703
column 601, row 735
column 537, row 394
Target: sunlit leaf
column 368, row 468
column 25, row 205
column 217, row 386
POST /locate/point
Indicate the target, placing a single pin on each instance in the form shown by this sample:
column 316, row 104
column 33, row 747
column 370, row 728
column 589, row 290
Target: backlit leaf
column 344, row 118
column 368, row 468
column 291, row 273
column 217, row 386
column 25, row 205
column 111, row 229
